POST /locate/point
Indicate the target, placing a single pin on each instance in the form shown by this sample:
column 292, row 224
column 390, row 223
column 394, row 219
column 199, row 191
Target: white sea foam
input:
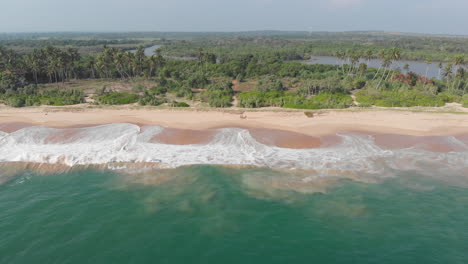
column 230, row 146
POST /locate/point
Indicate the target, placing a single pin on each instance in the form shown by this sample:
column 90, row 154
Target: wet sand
column 390, row 129
column 293, row 140
column 176, row 136
column 13, row 126
column 429, row 143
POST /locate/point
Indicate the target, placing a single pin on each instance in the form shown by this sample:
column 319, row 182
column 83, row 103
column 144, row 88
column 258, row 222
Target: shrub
column 400, row 98
column 29, row 97
column 16, row 101
column 197, row 80
column 224, row 87
column 269, row 84
column 464, row 100
column 118, row 98
column 332, row 100
column 251, row 99
column 149, row 99
column 158, row 90
column 184, row 91
column 219, row 94
column 179, row 104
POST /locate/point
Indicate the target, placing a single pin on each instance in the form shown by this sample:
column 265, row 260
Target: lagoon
column 430, row 70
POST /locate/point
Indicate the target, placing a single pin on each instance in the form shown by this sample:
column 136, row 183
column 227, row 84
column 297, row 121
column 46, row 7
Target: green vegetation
column 117, row 98
column 219, row 94
column 179, row 104
column 35, row 71
column 30, row 96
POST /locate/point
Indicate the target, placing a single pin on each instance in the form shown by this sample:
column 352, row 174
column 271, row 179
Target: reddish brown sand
column 13, row 126
column 175, row 136
column 430, row 143
column 273, row 137
column 287, row 139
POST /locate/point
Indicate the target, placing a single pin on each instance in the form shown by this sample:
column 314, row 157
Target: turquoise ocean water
column 209, row 214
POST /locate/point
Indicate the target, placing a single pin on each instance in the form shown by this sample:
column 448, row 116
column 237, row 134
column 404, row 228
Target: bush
column 118, row 98
column 217, row 98
column 219, row 94
column 269, row 84
column 197, row 80
column 400, row 98
column 149, row 99
column 464, row 100
column 251, row 99
column 179, row 104
column 158, row 90
column 332, row 100
column 223, row 87
column 16, row 101
column 29, row 97
column 184, row 91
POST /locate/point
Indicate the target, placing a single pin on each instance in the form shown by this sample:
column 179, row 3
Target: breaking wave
column 230, row 146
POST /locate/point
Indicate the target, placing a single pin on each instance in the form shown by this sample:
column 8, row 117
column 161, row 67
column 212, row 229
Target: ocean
column 354, row 202
column 209, row 214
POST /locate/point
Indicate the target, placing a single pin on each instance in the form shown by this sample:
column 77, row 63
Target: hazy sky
column 425, row 16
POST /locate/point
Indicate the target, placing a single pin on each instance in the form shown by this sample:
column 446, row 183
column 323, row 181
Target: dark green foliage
column 224, row 87
column 266, row 59
column 269, row 84
column 324, row 100
column 30, row 96
column 251, row 99
column 219, row 94
column 118, row 98
column 149, row 98
column 259, row 99
column 197, row 80
column 400, row 98
column 184, row 91
column 179, row 104
column 158, row 90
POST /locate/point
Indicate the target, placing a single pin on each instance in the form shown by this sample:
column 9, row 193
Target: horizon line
column 233, row 32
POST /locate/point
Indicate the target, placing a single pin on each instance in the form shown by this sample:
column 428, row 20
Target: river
column 430, row 70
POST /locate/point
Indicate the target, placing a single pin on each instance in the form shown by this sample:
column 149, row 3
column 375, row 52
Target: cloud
column 345, row 3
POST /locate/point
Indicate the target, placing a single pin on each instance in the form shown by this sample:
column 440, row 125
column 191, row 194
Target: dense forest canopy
column 255, row 69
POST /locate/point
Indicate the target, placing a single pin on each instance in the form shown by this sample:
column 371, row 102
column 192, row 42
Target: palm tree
column 341, row 55
column 385, row 64
column 441, row 66
column 33, row 63
column 428, row 62
column 458, row 62
column 200, row 55
column 447, row 73
column 381, row 55
column 120, row 60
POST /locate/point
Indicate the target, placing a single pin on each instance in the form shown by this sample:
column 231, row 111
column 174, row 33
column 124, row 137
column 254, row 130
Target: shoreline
column 323, row 123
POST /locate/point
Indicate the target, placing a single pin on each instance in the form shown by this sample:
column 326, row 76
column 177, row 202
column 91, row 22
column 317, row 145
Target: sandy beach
column 321, row 124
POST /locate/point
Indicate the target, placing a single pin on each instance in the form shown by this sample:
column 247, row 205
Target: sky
column 419, row 16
